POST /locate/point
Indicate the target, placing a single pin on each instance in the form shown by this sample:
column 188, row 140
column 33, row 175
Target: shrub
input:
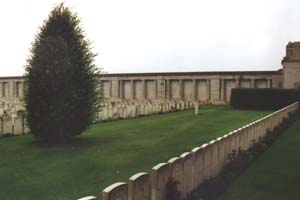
column 61, row 97
column 265, row 99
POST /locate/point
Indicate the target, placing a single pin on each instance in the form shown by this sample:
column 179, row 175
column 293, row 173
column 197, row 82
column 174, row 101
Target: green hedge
column 263, row 99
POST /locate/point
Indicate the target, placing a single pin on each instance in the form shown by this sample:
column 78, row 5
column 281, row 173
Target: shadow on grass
column 78, row 142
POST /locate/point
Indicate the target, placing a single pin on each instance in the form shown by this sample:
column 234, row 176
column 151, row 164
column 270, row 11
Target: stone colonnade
column 192, row 168
column 210, row 87
column 11, row 88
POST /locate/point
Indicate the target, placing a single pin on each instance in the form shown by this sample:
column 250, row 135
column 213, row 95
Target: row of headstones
column 192, row 168
column 128, row 110
column 14, row 124
column 11, row 106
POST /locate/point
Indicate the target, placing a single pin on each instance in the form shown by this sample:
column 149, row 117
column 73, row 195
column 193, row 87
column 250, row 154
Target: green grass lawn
column 108, row 153
column 275, row 175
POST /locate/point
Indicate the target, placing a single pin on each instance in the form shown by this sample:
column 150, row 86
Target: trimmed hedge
column 263, row 99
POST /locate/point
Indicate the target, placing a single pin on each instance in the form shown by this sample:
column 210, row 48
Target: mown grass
column 108, row 152
column 275, row 175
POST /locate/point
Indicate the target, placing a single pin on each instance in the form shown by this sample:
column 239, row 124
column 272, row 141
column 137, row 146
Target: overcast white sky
column 162, row 35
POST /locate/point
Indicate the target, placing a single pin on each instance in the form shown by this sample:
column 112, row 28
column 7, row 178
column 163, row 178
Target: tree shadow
column 76, row 142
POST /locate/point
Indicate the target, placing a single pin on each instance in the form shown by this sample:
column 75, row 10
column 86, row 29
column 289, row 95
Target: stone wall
column 209, row 87
column 291, row 66
column 11, row 88
column 201, row 163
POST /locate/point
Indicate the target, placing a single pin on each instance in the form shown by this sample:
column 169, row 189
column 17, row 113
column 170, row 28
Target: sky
column 161, row 35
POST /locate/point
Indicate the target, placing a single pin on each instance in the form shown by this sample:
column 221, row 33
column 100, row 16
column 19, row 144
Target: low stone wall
column 12, row 119
column 115, row 111
column 192, row 168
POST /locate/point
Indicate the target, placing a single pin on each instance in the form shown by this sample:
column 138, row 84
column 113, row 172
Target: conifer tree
column 61, row 96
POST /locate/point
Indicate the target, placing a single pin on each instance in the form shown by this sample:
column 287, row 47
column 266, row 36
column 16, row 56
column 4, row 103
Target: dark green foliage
column 266, row 99
column 61, row 97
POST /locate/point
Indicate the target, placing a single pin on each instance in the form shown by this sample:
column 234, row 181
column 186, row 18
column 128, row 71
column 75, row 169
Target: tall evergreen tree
column 61, row 79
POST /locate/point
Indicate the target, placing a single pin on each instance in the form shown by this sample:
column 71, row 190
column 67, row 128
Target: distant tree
column 61, row 96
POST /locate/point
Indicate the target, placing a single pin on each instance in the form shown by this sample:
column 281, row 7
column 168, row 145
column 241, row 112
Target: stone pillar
column 181, row 90
column 215, row 89
column 222, row 90
column 115, row 89
column 117, row 191
column 168, row 86
column 156, row 89
column 132, row 89
column 237, row 83
column 160, row 176
column 139, row 187
column 253, row 83
column 144, row 92
column 208, row 89
column 269, row 83
column 10, row 88
column 195, row 95
column 121, row 90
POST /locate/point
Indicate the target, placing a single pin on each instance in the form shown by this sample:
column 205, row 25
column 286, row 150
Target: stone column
column 269, row 83
column 181, row 90
column 132, row 89
column 110, row 89
column 156, row 89
column 144, row 92
column 253, row 83
column 115, row 88
column 1, row 89
column 168, row 92
column 208, row 89
column 237, row 83
column 121, row 89
column 215, row 89
column 222, row 90
column 14, row 86
column 195, row 90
